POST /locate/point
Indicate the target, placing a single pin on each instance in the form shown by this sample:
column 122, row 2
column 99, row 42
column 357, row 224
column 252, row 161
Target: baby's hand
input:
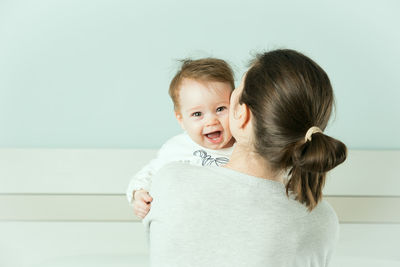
column 141, row 203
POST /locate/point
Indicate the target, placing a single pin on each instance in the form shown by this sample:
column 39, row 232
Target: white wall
column 94, row 74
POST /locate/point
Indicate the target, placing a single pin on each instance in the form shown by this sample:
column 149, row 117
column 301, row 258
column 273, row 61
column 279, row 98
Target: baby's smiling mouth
column 214, row 137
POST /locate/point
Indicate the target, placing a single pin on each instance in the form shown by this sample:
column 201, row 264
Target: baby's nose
column 212, row 120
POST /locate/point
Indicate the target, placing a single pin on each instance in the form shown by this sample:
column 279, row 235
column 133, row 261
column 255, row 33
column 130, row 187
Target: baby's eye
column 196, row 114
column 219, row 109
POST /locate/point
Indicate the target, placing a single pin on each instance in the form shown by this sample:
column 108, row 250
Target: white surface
column 69, row 170
column 56, row 244
column 368, row 245
column 373, row 173
column 28, row 244
column 66, row 208
column 108, row 171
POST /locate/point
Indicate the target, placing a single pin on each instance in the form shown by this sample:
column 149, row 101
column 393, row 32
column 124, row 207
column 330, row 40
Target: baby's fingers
column 147, row 198
column 141, row 213
column 141, row 205
column 143, row 196
column 141, row 208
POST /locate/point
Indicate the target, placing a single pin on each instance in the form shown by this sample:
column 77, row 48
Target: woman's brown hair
column 287, row 94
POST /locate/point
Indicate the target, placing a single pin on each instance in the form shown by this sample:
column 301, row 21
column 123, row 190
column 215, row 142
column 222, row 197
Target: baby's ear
column 178, row 116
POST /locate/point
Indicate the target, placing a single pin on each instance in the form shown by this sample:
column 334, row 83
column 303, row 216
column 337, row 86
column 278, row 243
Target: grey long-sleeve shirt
column 214, row 216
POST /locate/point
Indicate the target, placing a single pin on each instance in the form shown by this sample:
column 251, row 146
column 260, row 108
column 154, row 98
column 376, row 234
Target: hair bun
column 319, row 155
column 311, row 160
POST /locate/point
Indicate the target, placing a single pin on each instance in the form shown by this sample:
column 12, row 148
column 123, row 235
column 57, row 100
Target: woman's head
column 287, row 93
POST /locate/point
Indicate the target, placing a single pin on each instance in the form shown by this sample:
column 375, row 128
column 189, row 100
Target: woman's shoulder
column 323, row 222
column 176, row 178
column 179, row 166
column 325, row 211
column 176, row 170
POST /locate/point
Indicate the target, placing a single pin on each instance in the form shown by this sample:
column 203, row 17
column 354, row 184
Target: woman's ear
column 178, row 117
column 242, row 115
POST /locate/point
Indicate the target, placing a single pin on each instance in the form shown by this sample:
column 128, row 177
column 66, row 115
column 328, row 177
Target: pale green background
column 95, row 74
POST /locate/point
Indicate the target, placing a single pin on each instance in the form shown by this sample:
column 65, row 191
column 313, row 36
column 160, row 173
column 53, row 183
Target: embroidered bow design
column 207, row 160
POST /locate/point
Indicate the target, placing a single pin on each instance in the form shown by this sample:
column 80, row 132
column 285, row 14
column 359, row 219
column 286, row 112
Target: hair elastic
column 312, row 131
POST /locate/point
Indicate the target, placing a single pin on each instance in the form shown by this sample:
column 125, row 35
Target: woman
column 248, row 213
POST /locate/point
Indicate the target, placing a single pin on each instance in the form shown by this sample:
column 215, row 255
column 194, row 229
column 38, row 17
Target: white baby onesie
column 179, row 148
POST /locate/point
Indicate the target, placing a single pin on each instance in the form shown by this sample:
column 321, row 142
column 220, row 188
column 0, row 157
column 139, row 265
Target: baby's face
column 204, row 112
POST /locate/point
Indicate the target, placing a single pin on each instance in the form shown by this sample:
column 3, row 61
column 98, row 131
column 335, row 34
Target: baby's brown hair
column 205, row 69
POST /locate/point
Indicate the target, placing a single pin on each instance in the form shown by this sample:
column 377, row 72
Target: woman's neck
column 246, row 161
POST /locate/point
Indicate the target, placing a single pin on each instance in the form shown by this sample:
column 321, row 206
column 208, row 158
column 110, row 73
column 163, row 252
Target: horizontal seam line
column 362, row 196
column 121, row 194
column 128, row 221
column 60, row 194
column 139, row 221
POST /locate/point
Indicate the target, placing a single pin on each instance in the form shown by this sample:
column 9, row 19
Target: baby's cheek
column 226, row 118
column 198, row 128
column 224, row 113
column 227, row 130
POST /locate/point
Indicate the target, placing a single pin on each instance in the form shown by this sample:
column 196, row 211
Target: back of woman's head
column 288, row 93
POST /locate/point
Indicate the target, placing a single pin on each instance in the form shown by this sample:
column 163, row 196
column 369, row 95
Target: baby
column 200, row 92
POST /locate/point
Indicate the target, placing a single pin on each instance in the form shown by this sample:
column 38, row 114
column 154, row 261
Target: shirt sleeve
column 172, row 150
column 162, row 180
